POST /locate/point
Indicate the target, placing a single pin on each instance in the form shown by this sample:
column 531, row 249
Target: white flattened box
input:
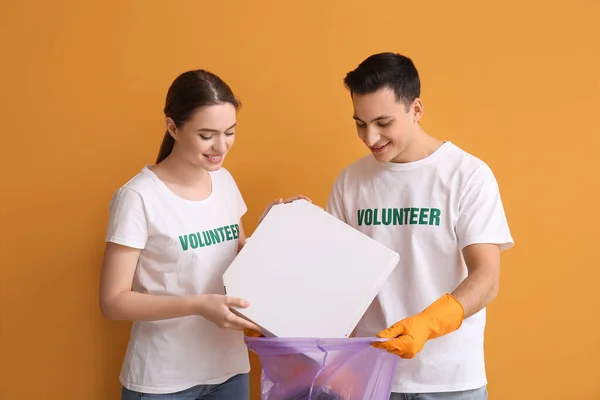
column 307, row 274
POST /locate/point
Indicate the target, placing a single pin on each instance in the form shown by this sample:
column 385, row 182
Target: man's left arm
column 482, row 232
column 480, row 287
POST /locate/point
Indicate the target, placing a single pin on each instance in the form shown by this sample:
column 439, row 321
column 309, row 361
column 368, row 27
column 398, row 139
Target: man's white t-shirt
column 427, row 211
column 185, row 248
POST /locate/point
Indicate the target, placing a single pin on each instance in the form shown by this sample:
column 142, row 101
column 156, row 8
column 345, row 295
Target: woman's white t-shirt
column 185, row 248
column 428, row 211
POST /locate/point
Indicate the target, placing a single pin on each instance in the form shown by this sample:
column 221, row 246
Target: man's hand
column 408, row 336
column 281, row 201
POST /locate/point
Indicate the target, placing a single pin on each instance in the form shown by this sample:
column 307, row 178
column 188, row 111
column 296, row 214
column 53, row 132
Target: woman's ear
column 171, row 128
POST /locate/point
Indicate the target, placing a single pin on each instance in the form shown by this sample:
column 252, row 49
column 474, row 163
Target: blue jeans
column 475, row 394
column 238, row 387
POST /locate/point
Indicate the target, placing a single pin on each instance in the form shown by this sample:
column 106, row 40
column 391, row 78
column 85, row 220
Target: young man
column 440, row 209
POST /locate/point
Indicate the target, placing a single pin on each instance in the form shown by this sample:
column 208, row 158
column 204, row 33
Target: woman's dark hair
column 191, row 90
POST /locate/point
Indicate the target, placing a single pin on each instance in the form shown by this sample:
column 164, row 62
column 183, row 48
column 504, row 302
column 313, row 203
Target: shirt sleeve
column 238, row 199
column 335, row 203
column 127, row 223
column 481, row 213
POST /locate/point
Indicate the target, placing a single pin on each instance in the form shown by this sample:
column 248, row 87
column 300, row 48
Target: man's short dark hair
column 386, row 70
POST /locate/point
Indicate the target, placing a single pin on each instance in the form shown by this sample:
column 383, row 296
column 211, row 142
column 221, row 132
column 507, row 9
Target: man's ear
column 417, row 110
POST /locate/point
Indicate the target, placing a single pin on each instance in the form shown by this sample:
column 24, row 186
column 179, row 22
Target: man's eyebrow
column 374, row 119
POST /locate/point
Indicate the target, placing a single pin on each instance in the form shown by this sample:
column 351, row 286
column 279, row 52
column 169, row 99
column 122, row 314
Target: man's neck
column 421, row 146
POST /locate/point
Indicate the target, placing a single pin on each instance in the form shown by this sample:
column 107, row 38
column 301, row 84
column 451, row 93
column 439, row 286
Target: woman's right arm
column 119, row 302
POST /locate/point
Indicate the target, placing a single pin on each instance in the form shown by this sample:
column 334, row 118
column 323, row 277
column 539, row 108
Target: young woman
column 174, row 229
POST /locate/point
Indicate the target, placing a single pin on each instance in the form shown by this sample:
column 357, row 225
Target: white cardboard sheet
column 307, row 274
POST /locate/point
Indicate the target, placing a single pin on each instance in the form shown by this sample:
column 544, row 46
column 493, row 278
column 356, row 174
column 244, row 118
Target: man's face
column 385, row 124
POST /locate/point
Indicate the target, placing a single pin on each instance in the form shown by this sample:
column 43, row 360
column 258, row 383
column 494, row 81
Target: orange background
column 83, row 87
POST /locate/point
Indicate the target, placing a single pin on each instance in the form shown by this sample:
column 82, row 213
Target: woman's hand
column 280, row 201
column 215, row 308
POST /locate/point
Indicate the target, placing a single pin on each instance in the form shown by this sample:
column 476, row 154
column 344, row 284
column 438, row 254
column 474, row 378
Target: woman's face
column 206, row 137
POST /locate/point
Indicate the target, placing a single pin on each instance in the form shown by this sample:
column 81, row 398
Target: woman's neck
column 180, row 171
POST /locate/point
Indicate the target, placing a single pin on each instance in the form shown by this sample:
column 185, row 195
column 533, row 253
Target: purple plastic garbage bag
column 323, row 369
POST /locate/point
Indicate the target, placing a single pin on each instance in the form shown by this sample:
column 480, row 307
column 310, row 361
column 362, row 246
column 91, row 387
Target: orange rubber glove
column 252, row 333
column 407, row 337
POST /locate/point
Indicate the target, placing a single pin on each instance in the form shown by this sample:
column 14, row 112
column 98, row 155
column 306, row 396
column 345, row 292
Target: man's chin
column 382, row 157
